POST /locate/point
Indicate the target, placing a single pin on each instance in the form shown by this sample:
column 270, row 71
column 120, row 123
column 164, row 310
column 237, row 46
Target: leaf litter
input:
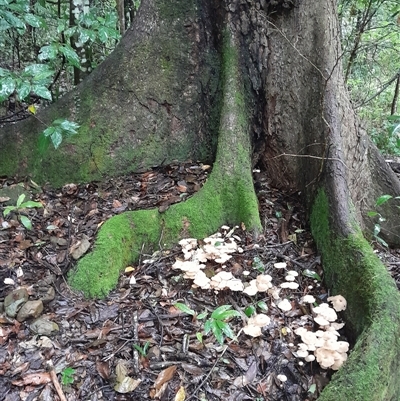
column 154, row 337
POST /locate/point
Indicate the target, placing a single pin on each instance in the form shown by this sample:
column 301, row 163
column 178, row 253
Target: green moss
column 372, row 317
column 119, row 242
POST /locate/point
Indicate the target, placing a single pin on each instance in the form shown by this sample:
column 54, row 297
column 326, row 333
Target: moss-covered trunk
column 150, row 102
column 266, row 80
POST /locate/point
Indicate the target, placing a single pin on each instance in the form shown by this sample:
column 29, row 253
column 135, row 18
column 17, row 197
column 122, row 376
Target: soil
column 136, row 344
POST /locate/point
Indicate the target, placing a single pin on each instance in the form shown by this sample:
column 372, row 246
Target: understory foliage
column 371, row 58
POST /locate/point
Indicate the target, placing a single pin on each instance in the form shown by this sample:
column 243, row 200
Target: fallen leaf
column 34, row 379
column 164, row 376
column 180, row 395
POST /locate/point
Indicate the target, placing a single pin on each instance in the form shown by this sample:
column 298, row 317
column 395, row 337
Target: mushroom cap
column 202, row 280
column 307, row 299
column 280, row 265
column 321, row 320
column 326, row 312
column 289, row 284
column 263, row 282
column 235, row 285
column 251, row 289
column 325, row 357
column 260, row 320
column 252, row 330
column 309, row 358
column 339, row 302
column 285, row 305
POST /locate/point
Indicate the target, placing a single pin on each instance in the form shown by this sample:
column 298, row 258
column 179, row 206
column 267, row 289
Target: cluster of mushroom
column 328, row 351
column 216, row 248
column 255, row 324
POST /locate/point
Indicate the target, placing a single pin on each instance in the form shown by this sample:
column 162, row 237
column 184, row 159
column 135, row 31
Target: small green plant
column 377, row 227
column 20, row 206
column 142, row 350
column 67, row 376
column 218, row 323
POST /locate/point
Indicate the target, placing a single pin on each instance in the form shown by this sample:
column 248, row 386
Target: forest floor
column 137, row 344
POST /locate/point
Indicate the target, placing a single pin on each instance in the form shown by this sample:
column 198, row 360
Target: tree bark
column 237, row 82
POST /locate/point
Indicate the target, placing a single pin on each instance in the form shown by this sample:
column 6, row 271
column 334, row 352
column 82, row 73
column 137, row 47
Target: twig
column 55, row 381
column 208, row 375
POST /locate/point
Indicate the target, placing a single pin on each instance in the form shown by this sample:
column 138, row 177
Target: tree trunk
column 267, row 79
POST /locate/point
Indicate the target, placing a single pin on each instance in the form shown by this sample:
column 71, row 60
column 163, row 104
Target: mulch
column 136, row 335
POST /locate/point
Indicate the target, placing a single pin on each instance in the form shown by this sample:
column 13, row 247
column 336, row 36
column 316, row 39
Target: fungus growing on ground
column 328, row 351
column 255, row 323
column 280, row 265
column 285, row 305
column 289, row 284
column 339, row 302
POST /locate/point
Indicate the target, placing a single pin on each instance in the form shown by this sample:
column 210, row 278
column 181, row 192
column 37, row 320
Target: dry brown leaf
column 34, row 379
column 103, row 369
column 164, row 376
column 116, row 203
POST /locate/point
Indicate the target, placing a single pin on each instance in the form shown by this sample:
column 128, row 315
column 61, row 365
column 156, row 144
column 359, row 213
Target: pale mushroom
column 280, row 265
column 285, row 305
column 321, row 320
column 202, row 280
column 235, row 285
column 326, row 312
column 260, row 320
column 302, row 351
column 252, row 330
column 325, row 357
column 289, row 284
column 263, row 282
column 282, row 378
column 307, row 299
column 309, row 358
column 251, row 289
column 339, row 302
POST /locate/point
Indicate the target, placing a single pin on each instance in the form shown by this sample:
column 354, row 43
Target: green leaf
column 7, row 87
column 7, row 210
column 382, row 199
column 311, row 274
column 199, row 337
column 26, row 222
column 217, row 333
column 217, row 312
column 48, row 52
column 30, row 204
column 262, row 305
column 34, row 21
column 49, row 131
column 69, row 126
column 208, row 326
column 184, row 308
column 249, row 310
column 312, row 388
column 42, row 92
column 20, row 199
column 226, row 329
column 14, row 21
column 202, row 315
column 70, row 55
column 56, row 138
column 227, row 315
column 23, row 90
column 372, row 214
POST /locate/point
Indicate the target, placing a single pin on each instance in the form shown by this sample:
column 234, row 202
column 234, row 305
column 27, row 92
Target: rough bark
column 257, row 75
